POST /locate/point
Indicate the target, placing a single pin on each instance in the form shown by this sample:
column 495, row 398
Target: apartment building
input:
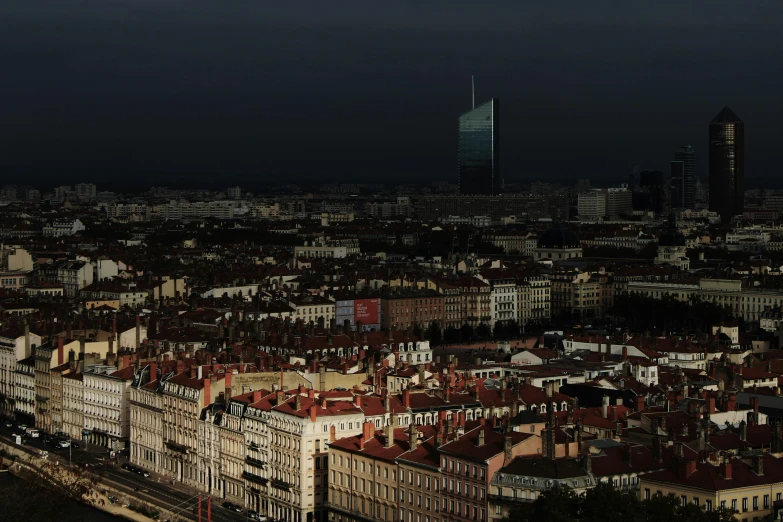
column 45, row 359
column 301, row 428
column 73, row 404
column 57, row 397
column 533, row 300
column 468, row 464
column 405, row 308
column 24, row 391
column 364, row 483
column 106, row 405
column 184, row 397
column 749, row 486
column 504, row 299
column 316, row 310
column 15, row 345
column 146, row 419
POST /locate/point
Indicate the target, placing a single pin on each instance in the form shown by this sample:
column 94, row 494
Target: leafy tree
column 483, row 331
column 434, row 333
column 466, row 332
column 604, row 503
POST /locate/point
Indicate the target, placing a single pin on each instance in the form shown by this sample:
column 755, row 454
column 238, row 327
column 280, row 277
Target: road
column 151, row 490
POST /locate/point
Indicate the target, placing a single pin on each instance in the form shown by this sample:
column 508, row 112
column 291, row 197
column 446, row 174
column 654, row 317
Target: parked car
column 128, row 466
column 62, row 444
column 61, row 434
column 32, row 432
column 255, row 515
column 231, row 506
column 9, row 424
column 142, row 472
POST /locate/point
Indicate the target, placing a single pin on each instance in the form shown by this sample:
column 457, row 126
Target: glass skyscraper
column 688, row 158
column 478, row 150
column 727, row 164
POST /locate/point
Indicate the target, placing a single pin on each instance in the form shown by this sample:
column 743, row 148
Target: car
column 142, row 472
column 255, row 515
column 22, row 426
column 232, row 507
column 32, row 432
column 128, row 466
column 9, row 424
column 61, row 434
column 62, row 444
column 75, row 445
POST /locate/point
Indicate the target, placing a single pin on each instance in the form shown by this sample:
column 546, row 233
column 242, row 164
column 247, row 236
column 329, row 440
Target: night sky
column 184, row 92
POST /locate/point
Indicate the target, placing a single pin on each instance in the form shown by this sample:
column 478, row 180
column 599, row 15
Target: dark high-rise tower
column 688, row 158
column 677, row 184
column 478, row 150
column 727, row 164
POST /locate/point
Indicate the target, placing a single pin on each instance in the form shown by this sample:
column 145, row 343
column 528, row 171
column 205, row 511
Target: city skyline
column 284, row 101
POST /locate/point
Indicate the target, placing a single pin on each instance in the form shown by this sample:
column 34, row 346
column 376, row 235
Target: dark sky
column 261, row 91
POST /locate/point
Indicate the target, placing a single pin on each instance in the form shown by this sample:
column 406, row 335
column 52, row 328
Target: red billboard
column 367, row 311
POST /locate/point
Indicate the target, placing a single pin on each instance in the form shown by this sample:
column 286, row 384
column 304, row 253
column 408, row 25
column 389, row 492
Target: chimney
column 313, row 413
column 711, row 405
column 153, row 372
column 406, row 398
column 656, row 449
column 60, row 344
column 754, row 403
column 725, row 470
column 27, row 352
column 743, row 430
column 389, row 435
column 588, row 463
column 256, row 396
column 298, row 403
column 758, row 465
column 688, row 468
column 332, row 433
column 507, row 449
column 480, row 441
column 414, row 437
column 639, row 403
column 605, row 407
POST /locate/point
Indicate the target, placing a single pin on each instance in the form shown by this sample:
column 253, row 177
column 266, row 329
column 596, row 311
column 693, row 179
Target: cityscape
column 271, row 263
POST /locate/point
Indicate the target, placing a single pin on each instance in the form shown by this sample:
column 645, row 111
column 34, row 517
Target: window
column 708, row 505
column 745, row 505
column 755, row 503
column 683, row 500
column 696, row 500
column 647, row 494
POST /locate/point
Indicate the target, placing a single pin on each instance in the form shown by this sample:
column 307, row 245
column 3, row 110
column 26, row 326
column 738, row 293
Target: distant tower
column 477, row 153
column 687, row 156
column 677, row 185
column 727, row 164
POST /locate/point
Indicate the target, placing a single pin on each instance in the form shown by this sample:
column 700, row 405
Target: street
column 152, row 490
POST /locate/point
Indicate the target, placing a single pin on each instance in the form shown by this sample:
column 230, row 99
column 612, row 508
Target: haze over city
column 130, row 93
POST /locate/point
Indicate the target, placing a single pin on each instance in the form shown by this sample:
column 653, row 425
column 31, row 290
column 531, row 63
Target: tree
column 434, row 333
column 604, row 503
column 466, row 332
column 483, row 331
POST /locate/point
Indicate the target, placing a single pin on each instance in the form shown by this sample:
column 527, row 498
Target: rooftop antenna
column 473, row 91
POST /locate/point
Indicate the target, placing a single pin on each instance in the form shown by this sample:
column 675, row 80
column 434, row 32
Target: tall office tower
column 652, row 182
column 687, row 155
column 479, row 171
column 677, row 184
column 727, row 164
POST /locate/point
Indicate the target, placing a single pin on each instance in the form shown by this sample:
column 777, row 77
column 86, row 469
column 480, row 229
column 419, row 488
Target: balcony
column 253, row 446
column 252, row 477
column 255, row 462
column 173, row 446
column 281, row 484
